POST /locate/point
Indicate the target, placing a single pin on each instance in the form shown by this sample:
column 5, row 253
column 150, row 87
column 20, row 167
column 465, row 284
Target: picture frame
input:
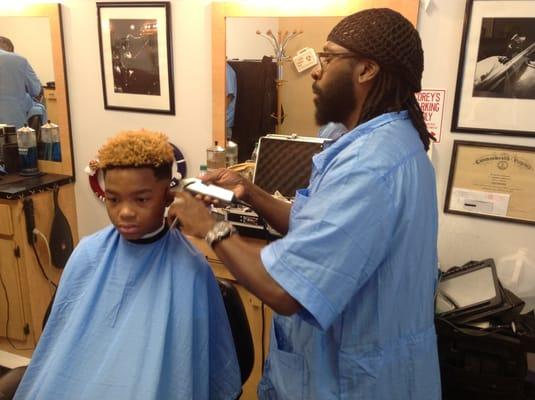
column 495, row 90
column 136, row 57
column 491, row 180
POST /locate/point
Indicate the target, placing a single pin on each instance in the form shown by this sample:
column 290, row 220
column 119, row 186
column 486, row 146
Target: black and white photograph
column 135, row 55
column 495, row 91
column 506, row 59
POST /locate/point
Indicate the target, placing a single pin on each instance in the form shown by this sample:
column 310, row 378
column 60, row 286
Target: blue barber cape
column 135, row 321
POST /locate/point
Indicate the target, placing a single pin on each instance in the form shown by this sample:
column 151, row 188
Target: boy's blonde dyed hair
column 136, row 149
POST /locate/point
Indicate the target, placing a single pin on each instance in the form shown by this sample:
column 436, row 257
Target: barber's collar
column 343, row 137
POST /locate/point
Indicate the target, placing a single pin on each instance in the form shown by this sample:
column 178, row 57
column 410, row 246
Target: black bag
column 486, row 363
column 477, row 364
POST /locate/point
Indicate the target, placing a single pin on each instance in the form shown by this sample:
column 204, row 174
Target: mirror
column 294, row 92
column 22, row 25
column 234, row 36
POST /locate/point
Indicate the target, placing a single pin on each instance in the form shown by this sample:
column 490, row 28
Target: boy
column 138, row 313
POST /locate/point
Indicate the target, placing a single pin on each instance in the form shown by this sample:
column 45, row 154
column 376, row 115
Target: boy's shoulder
column 100, row 237
column 95, row 243
column 184, row 249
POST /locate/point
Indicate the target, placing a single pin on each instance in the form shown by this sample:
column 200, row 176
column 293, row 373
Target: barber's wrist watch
column 220, row 231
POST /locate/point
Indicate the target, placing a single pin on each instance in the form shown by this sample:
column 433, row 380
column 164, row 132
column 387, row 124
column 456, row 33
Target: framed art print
column 495, row 92
column 136, row 56
column 491, row 180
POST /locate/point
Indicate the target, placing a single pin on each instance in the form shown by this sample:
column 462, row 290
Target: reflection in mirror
column 22, row 31
column 244, row 43
column 287, row 16
column 287, row 91
column 22, row 25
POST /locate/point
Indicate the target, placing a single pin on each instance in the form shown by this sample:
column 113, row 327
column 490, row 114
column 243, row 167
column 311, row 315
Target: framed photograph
column 492, row 180
column 136, row 56
column 495, row 92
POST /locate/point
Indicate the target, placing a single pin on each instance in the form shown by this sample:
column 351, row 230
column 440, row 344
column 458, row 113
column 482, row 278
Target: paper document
column 479, row 202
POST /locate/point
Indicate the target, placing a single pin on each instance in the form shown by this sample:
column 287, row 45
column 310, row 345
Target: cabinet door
column 12, row 318
column 36, row 268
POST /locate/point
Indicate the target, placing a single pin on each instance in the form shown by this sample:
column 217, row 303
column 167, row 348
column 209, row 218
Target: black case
column 491, row 363
column 479, row 365
column 284, row 162
column 478, row 310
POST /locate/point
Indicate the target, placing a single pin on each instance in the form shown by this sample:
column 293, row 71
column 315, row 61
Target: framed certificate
column 491, row 180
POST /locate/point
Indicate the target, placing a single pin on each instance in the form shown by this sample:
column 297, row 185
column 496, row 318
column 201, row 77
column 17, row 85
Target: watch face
column 220, row 231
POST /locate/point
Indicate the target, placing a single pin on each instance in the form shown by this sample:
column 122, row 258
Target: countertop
column 15, row 186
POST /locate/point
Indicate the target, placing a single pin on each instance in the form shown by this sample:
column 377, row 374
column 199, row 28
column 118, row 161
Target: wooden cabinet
column 258, row 314
column 24, row 290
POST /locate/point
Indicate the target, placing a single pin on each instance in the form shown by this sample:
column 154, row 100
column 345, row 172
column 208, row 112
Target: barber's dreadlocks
column 390, row 94
column 387, row 37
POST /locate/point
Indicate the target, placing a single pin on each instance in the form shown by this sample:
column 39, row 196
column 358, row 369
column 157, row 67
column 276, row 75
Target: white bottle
column 215, row 157
column 231, row 152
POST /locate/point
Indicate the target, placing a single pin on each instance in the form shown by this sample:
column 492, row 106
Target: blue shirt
column 231, row 90
column 135, row 321
column 18, row 84
column 360, row 257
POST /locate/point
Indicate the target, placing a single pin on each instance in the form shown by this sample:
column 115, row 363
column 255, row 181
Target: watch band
column 220, row 231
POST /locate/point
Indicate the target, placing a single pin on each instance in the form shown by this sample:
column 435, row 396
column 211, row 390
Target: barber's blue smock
column 18, row 84
column 231, row 89
column 360, row 257
column 134, row 321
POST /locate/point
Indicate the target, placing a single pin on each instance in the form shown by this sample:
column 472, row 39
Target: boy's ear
column 169, row 197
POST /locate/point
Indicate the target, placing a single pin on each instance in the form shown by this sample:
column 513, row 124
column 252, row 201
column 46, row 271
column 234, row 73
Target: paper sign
column 432, row 104
column 305, row 58
column 479, row 202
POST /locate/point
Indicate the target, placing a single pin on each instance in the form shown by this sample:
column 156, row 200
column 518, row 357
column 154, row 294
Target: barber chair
column 34, row 122
column 239, row 325
column 241, row 333
column 10, row 381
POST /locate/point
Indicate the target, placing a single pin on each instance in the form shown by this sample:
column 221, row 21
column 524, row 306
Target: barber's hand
column 195, row 218
column 231, row 180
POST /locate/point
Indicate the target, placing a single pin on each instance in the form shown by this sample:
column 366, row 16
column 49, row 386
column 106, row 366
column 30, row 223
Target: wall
column 243, row 42
column 22, row 31
column 462, row 238
column 297, row 95
column 190, row 129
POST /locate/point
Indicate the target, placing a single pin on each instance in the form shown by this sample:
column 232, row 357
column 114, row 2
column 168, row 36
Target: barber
column 20, row 89
column 352, row 281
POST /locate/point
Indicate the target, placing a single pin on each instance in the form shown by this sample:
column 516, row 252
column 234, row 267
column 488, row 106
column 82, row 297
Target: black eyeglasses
column 325, row 57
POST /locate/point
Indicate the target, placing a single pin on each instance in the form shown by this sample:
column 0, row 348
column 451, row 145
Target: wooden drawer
column 6, row 226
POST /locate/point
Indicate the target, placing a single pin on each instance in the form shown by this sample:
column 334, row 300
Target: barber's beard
column 336, row 102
